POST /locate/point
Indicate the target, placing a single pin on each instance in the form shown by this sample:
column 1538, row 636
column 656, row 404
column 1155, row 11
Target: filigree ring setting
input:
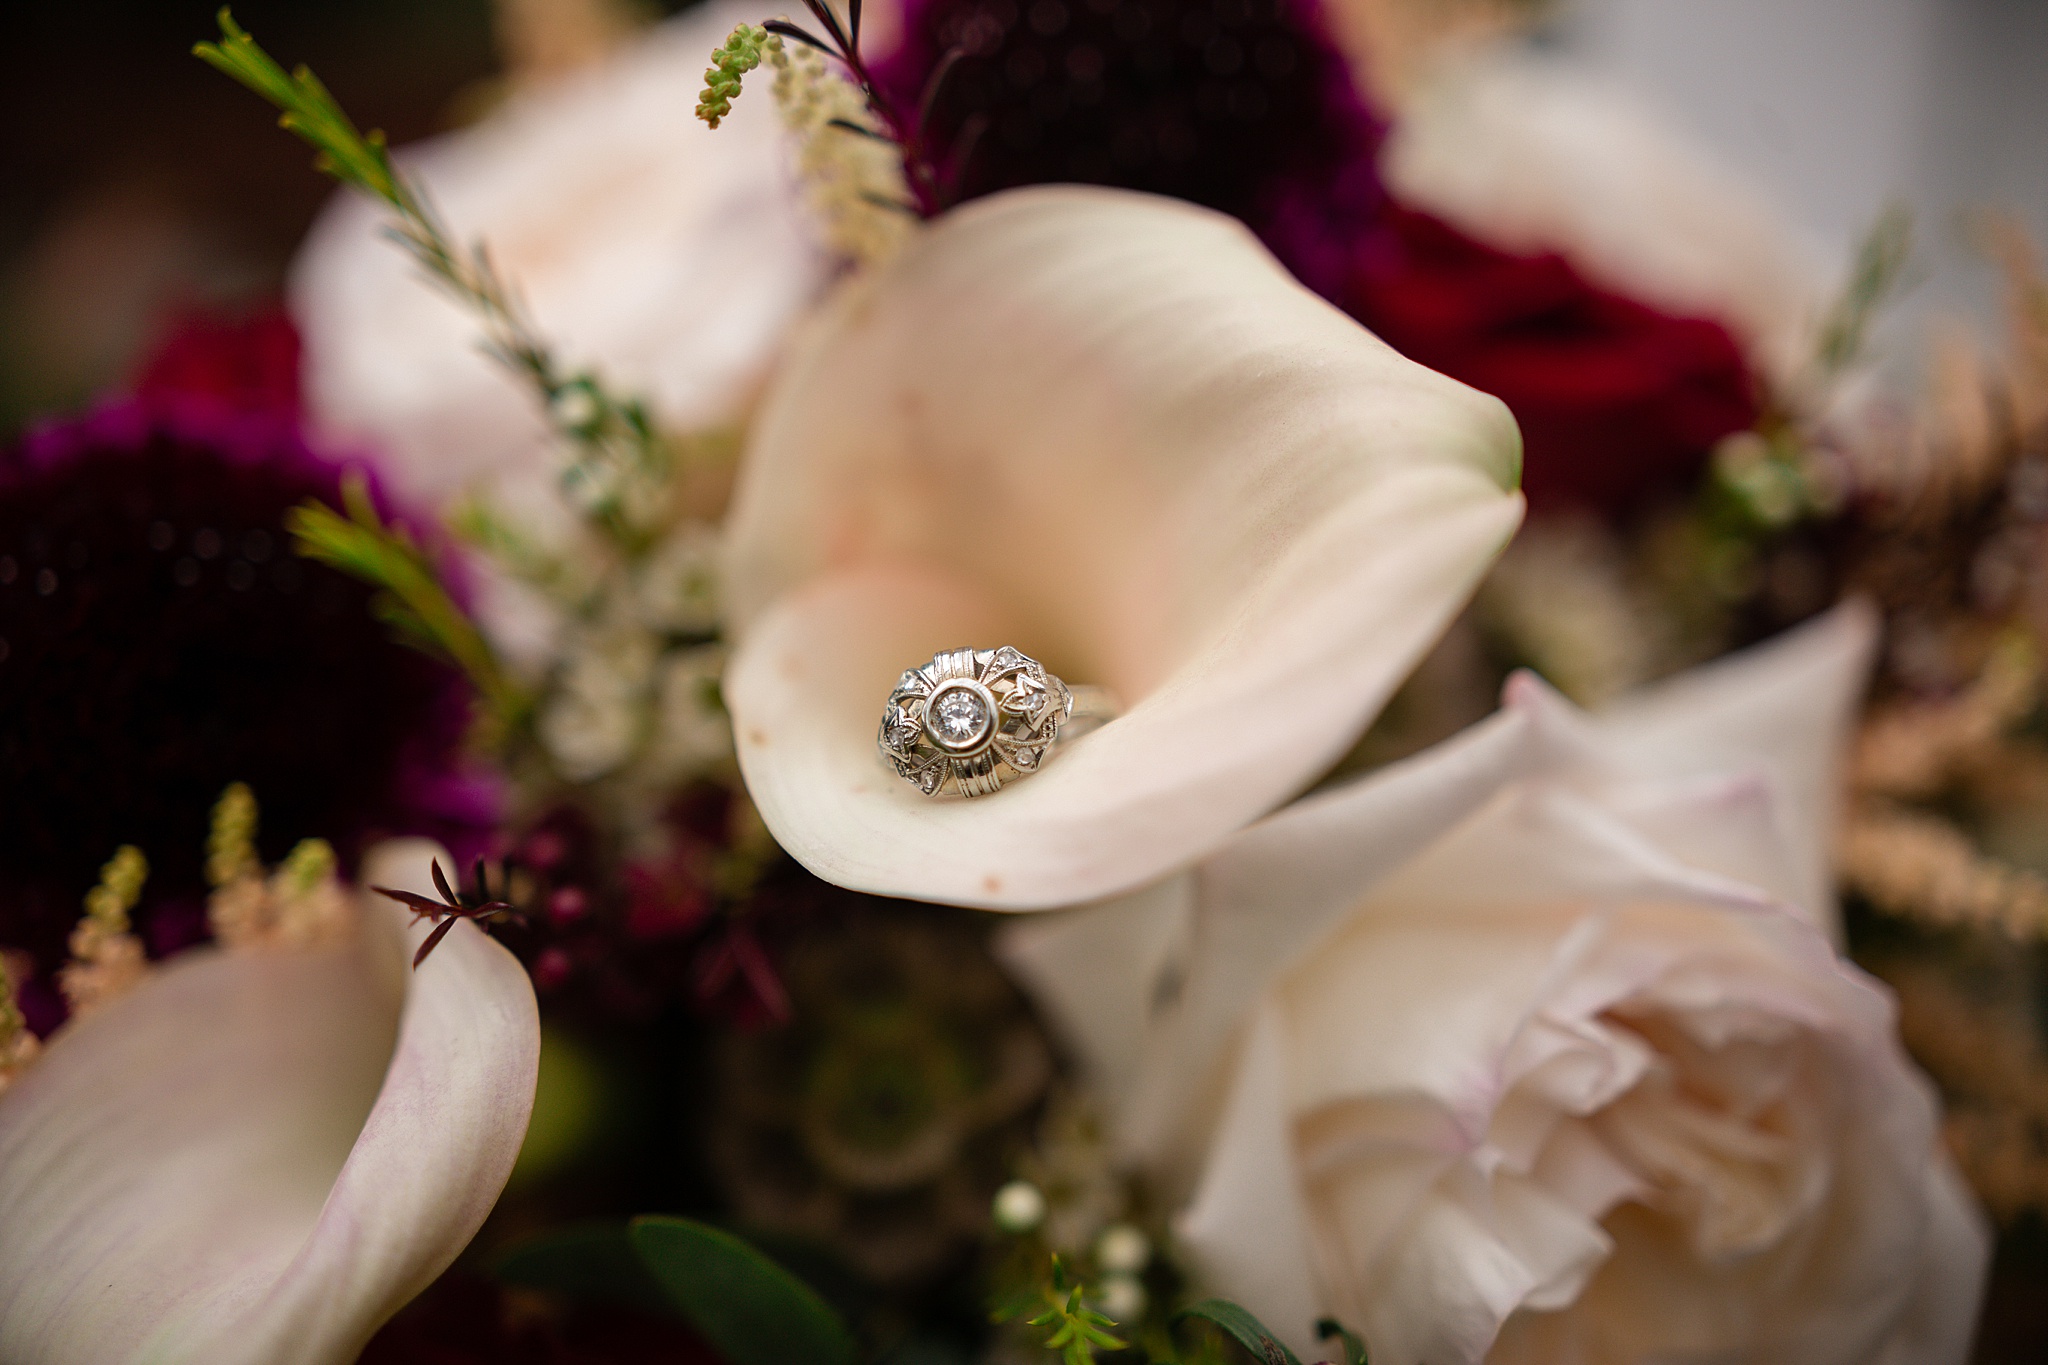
column 972, row 720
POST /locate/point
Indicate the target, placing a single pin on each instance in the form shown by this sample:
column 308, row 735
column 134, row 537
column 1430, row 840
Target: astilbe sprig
column 875, row 116
column 231, row 837
column 851, row 171
column 301, row 902
column 622, row 464
column 106, row 957
column 18, row 1045
column 741, row 53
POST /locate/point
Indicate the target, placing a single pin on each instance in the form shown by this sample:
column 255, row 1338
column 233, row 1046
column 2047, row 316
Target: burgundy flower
column 241, row 364
column 1614, row 398
column 1224, row 104
column 1246, row 106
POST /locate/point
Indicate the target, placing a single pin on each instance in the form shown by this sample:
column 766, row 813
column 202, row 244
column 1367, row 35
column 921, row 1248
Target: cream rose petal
column 1730, row 769
column 261, row 1156
column 1783, row 710
column 668, row 255
column 1107, row 429
column 1462, row 1002
column 1379, row 1058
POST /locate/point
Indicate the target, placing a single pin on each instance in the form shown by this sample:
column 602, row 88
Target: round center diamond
column 958, row 718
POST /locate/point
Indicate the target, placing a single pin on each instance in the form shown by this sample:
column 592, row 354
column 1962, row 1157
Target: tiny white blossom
column 597, row 714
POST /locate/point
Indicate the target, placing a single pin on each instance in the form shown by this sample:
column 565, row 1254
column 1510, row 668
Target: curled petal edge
column 262, row 1155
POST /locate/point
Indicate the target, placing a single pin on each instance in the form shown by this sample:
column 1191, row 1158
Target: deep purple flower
column 1234, row 105
column 159, row 639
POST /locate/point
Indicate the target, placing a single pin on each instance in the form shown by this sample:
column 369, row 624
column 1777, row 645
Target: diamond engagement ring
column 979, row 718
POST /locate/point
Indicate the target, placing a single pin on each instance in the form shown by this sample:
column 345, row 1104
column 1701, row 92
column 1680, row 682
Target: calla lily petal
column 262, row 1155
column 1107, row 429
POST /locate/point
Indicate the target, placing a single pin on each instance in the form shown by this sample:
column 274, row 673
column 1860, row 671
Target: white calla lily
column 261, row 1155
column 1524, row 1049
column 668, row 255
column 1107, row 429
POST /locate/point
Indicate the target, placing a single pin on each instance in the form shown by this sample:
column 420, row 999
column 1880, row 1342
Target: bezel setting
column 1021, row 707
column 985, row 727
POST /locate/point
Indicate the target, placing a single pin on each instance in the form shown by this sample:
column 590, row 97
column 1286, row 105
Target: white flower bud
column 1122, row 1299
column 1122, row 1250
column 1019, row 1207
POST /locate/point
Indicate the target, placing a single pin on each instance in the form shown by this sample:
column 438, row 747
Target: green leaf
column 591, row 1261
column 752, row 1311
column 1246, row 1330
column 1354, row 1345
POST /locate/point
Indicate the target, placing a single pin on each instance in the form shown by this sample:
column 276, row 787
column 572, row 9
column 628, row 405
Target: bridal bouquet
column 894, row 703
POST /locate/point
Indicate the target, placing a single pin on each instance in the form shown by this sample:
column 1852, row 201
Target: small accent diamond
column 1027, row 695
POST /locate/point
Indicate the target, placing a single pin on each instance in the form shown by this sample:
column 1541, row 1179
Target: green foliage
column 622, row 464
column 1246, row 1330
column 1760, row 484
column 1353, row 1344
column 1880, row 265
column 589, row 1261
column 752, row 1311
column 411, row 600
column 308, row 111
column 518, row 553
column 1072, row 1329
column 741, row 53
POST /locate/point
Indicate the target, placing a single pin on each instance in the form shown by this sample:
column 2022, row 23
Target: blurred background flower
column 160, row 640
column 1645, row 224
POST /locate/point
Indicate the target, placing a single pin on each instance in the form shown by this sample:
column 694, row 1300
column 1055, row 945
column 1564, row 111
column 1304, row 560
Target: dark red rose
column 1615, row 399
column 243, row 364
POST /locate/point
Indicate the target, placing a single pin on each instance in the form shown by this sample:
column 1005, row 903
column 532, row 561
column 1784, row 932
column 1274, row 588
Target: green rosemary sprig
column 1875, row 277
column 569, row 584
column 1073, row 1329
column 412, row 601
column 622, row 464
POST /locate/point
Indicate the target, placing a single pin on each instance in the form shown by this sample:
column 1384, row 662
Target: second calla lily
column 260, row 1155
column 1110, row 430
